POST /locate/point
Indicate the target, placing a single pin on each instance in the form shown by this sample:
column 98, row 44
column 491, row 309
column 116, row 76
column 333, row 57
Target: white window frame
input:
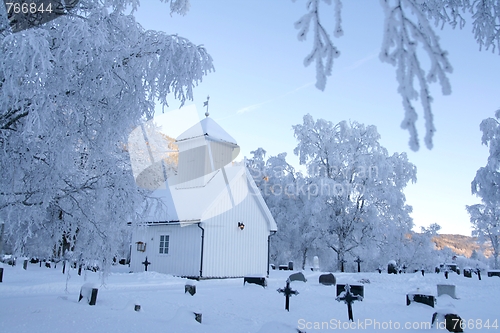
column 164, row 244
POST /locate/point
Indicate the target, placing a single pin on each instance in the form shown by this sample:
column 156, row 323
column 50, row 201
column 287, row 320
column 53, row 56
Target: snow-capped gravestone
column 89, row 292
column 451, row 321
column 297, row 277
column 420, row 297
column 467, row 272
column 260, row 280
column 355, row 289
column 493, row 272
column 392, row 267
column 327, row 279
column 446, row 289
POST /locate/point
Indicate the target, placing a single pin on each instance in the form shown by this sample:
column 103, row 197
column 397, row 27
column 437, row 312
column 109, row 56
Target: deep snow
column 44, row 300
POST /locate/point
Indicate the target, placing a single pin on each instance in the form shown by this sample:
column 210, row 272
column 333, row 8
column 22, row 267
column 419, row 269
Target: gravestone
column 453, row 322
column 327, row 279
column 467, row 272
column 287, row 291
column 342, row 262
column 283, row 267
column 446, row 289
column 146, row 263
column 137, row 307
column 478, row 272
column 273, row 267
column 197, row 317
column 47, row 264
column 290, row 265
column 297, row 277
column 348, row 297
column 1, row 274
column 358, row 261
column 89, row 291
column 25, row 264
column 356, row 290
column 420, row 298
column 189, row 288
column 316, row 263
column 256, row 280
column 493, row 273
column 392, row 267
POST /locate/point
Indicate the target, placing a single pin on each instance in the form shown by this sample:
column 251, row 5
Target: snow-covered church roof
column 208, row 128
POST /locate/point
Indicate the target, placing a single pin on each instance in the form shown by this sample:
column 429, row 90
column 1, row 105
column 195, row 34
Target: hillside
column 461, row 245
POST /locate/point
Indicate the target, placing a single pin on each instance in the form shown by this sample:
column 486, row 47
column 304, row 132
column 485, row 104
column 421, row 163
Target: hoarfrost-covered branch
column 402, row 36
column 323, row 51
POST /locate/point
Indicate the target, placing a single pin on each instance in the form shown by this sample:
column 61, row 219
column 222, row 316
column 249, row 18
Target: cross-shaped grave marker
column 349, row 298
column 146, row 263
column 359, row 261
column 288, row 292
column 342, row 261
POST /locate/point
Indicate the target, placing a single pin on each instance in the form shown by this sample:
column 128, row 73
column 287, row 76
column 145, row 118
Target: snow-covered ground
column 40, row 299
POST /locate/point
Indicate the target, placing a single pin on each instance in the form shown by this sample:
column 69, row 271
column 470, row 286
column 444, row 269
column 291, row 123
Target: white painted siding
column 229, row 251
column 184, row 253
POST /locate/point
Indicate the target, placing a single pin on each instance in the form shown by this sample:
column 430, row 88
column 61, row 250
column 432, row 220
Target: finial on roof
column 206, row 104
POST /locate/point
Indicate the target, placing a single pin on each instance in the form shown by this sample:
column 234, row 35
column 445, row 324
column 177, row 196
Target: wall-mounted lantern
column 141, row 247
column 241, row 225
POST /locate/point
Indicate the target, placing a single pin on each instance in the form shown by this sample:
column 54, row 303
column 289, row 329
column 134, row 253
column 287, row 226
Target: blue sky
column 261, row 88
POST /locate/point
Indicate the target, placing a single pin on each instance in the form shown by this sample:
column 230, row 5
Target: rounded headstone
column 327, row 279
column 297, row 277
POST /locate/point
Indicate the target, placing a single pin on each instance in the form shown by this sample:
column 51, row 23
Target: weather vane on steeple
column 206, row 104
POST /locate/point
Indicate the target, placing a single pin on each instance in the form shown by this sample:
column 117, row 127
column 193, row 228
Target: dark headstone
column 188, row 288
column 47, row 264
column 25, row 264
column 122, row 261
column 297, row 277
column 391, row 268
column 256, row 280
column 283, row 267
column 493, row 273
column 356, row 290
column 137, row 307
column 1, row 274
column 453, row 323
column 273, row 267
column 34, row 261
column 327, row 279
column 421, row 298
column 290, row 265
column 467, row 273
column 197, row 317
column 89, row 292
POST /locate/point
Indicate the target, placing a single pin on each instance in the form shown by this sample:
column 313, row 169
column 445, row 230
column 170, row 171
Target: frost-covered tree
column 355, row 187
column 408, row 33
column 71, row 90
column 278, row 182
column 485, row 217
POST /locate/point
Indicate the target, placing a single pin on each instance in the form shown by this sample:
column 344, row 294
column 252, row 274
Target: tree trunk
column 304, row 256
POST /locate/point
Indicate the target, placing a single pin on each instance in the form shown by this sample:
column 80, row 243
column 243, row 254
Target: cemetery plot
column 148, row 301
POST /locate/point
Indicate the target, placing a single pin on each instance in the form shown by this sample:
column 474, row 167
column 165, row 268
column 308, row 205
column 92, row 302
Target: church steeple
column 203, row 149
